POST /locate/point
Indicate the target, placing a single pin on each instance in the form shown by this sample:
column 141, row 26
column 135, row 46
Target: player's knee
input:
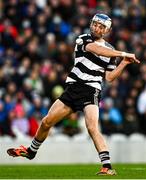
column 46, row 123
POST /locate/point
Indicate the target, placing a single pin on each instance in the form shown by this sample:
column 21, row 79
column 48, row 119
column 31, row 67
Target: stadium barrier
column 61, row 149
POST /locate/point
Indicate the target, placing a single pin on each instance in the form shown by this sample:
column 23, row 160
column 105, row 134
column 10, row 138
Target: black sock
column 35, row 144
column 30, row 151
column 105, row 159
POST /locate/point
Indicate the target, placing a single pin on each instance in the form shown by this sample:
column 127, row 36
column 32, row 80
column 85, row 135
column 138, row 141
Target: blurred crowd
column 37, row 40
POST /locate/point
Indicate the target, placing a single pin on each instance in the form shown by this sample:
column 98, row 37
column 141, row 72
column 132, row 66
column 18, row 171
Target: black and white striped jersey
column 89, row 68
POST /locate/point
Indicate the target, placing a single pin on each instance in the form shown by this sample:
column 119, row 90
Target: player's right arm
column 108, row 52
column 112, row 75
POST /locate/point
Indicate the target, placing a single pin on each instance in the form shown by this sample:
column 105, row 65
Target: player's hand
column 131, row 57
column 129, row 60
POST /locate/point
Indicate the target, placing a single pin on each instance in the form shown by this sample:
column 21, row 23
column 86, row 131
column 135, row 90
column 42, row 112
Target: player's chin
column 97, row 36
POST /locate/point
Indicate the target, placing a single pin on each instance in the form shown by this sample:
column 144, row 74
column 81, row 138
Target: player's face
column 97, row 29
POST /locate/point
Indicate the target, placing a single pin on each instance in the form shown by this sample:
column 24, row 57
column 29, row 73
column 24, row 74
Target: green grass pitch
column 76, row 171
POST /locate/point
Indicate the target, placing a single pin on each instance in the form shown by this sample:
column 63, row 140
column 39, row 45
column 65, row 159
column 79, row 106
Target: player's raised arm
column 108, row 52
column 103, row 51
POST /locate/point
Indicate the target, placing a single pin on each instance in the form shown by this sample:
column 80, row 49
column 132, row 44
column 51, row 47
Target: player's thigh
column 57, row 112
column 91, row 113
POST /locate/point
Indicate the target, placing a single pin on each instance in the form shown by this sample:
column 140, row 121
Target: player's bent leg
column 57, row 112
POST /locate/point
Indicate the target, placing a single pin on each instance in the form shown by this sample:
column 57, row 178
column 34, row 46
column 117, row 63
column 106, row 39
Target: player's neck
column 100, row 40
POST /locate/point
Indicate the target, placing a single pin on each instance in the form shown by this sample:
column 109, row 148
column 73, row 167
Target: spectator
column 35, row 82
column 37, row 110
column 71, row 125
column 111, row 117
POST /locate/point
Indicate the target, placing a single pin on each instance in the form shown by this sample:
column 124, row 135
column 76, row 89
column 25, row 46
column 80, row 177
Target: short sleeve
column 82, row 41
column 112, row 64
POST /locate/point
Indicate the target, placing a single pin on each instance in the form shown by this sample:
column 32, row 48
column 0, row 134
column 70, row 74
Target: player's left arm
column 112, row 75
